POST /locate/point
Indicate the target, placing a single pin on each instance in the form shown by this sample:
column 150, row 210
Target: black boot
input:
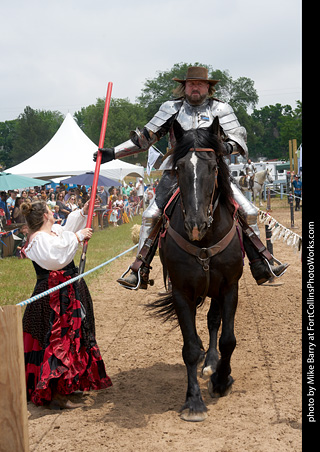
column 130, row 280
column 262, row 271
column 260, row 267
column 136, row 280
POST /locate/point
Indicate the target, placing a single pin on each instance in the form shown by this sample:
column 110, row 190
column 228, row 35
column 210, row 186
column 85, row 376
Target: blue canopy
column 10, row 181
column 87, row 179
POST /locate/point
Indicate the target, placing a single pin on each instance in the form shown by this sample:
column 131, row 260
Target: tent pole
column 96, row 175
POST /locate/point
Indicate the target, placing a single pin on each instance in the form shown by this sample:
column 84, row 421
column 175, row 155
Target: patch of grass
column 17, row 276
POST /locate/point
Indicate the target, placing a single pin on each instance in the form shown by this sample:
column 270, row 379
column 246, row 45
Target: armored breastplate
column 194, row 117
column 189, row 117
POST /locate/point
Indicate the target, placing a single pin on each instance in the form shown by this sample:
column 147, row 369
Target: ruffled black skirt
column 61, row 352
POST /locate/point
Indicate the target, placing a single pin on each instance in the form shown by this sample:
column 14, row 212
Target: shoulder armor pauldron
column 165, row 112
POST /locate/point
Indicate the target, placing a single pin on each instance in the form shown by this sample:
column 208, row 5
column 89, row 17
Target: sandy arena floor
column 143, row 358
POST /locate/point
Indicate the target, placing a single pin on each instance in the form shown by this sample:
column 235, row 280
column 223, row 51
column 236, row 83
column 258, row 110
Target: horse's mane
column 205, row 138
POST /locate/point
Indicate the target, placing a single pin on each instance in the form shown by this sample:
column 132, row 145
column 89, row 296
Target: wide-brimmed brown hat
column 197, row 73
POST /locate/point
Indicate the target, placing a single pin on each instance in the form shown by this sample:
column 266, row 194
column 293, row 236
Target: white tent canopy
column 68, row 153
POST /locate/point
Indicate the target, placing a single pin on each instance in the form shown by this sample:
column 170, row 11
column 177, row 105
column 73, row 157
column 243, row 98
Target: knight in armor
column 249, row 170
column 194, row 107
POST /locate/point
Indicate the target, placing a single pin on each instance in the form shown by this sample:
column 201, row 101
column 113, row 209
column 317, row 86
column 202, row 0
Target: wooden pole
column 295, row 156
column 13, row 400
column 268, row 200
column 290, row 155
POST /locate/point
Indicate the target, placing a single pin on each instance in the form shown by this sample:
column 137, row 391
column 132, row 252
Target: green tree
column 239, row 92
column 273, row 127
column 34, row 129
column 7, row 135
column 290, row 126
column 123, row 117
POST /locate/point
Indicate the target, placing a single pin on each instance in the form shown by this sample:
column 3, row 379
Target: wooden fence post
column 13, row 399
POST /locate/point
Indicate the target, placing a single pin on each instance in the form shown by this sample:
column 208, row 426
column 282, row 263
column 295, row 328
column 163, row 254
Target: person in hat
column 297, row 188
column 193, row 107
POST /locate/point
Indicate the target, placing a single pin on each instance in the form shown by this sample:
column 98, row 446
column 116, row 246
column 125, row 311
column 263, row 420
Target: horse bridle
column 212, row 207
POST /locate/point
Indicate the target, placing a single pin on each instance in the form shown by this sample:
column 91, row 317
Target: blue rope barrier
column 70, row 281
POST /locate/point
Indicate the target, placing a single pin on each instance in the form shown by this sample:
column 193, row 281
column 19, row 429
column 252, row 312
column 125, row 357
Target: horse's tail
column 163, row 308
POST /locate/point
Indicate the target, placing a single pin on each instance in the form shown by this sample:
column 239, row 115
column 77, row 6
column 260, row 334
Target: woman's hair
column 33, row 212
column 18, row 202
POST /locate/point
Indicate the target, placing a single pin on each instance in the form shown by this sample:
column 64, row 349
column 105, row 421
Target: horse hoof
column 220, row 390
column 206, row 372
column 192, row 416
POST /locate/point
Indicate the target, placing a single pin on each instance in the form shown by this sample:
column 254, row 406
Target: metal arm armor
column 156, row 128
column 235, row 134
column 167, row 112
column 140, row 140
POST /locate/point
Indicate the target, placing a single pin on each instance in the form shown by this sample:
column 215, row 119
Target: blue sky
column 60, row 55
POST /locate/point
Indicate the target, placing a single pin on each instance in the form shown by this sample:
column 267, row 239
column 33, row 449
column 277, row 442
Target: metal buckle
column 205, row 252
column 204, row 261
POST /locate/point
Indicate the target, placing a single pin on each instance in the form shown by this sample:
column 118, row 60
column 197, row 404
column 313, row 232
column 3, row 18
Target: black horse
column 203, row 215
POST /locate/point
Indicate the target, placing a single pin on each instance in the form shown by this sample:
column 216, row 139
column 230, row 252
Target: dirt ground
column 143, row 358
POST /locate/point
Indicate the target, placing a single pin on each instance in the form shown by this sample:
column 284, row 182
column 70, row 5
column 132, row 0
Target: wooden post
column 295, row 156
column 13, row 400
column 268, row 200
column 290, row 155
column 291, row 210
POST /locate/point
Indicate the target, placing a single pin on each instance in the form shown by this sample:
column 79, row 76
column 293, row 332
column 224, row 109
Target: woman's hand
column 87, row 233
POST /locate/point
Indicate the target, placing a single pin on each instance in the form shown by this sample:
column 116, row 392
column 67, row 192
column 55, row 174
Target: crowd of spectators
column 116, row 205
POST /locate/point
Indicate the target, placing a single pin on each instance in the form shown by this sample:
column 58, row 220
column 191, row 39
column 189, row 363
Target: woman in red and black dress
column 61, row 352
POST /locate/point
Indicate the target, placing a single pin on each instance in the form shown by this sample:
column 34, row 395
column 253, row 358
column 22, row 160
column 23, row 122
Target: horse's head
column 196, row 157
column 269, row 176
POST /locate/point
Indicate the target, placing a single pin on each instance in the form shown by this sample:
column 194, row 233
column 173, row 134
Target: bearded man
column 194, row 107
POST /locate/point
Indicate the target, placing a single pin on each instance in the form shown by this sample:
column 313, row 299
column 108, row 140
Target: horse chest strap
column 202, row 254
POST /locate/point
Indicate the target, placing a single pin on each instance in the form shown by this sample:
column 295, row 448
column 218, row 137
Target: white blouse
column 53, row 252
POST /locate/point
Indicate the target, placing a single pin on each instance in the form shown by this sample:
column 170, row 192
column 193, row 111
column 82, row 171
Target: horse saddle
column 243, row 182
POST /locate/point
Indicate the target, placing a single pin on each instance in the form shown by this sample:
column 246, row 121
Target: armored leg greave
column 149, row 217
column 260, row 259
column 164, row 191
column 246, row 209
column 149, row 227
